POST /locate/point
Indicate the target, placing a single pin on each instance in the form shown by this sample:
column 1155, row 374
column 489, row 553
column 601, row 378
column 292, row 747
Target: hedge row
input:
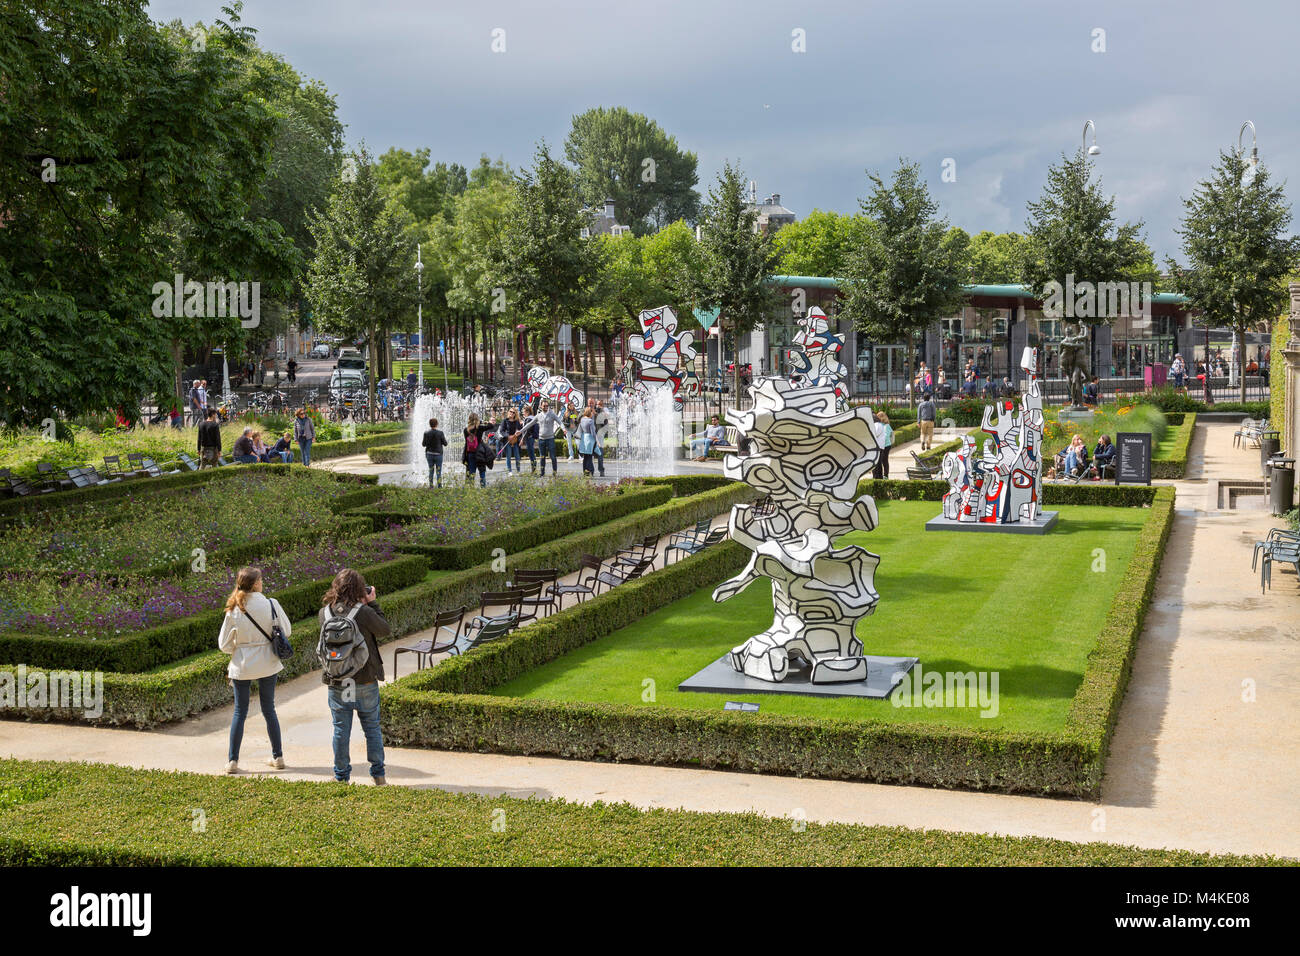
column 446, row 707
column 1091, row 493
column 1095, row 708
column 1175, row 466
column 119, row 489
column 59, row 814
column 198, row 683
column 529, row 534
column 168, row 643
column 343, row 448
column 389, row 454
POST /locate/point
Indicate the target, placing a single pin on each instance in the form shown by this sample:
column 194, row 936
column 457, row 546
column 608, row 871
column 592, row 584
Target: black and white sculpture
column 807, row 458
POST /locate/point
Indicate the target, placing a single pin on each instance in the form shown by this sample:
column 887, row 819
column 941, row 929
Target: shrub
column 1174, row 464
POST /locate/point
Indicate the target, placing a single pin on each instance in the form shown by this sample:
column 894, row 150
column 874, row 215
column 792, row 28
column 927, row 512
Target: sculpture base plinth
column 883, row 675
column 1040, row 525
column 1071, row 414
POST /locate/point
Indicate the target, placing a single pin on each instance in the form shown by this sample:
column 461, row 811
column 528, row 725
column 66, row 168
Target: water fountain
column 647, row 431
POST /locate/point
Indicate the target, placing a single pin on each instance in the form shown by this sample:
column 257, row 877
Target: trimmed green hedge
column 176, row 640
column 1090, row 493
column 445, row 707
column 389, row 454
column 175, row 691
column 322, row 450
column 60, row 814
column 529, row 534
column 1175, row 466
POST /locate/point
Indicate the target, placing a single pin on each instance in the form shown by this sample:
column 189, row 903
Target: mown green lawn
column 1026, row 607
column 91, row 814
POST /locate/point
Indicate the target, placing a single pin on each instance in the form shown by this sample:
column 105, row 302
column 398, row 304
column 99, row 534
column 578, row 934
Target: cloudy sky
column 1000, row 87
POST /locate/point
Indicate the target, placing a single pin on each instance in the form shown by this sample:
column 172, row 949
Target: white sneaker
column 276, row 762
column 232, row 767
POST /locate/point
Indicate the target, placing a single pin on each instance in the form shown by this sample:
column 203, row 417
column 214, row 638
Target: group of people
column 250, row 447
column 1073, row 461
column 352, row 626
column 530, row 430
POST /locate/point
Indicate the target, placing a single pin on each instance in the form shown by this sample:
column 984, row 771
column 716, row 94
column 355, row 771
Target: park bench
column 446, row 623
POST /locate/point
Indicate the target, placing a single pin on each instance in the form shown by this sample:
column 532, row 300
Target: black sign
column 1133, row 458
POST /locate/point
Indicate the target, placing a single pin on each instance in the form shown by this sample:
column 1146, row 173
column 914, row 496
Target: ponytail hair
column 245, row 581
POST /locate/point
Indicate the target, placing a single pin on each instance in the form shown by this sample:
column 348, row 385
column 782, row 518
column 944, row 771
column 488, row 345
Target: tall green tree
column 628, row 157
column 997, row 258
column 549, row 269
column 427, row 192
column 118, row 146
column 1071, row 231
column 1235, row 233
column 820, row 244
column 911, row 269
column 360, row 273
column 736, row 260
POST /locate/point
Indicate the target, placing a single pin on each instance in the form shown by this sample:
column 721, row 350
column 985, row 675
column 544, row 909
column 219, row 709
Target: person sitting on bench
column 715, row 434
column 243, row 450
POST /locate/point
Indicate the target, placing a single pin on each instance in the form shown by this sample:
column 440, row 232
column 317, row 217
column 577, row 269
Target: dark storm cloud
column 1002, row 88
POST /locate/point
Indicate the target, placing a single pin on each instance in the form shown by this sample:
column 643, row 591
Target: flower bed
column 131, row 535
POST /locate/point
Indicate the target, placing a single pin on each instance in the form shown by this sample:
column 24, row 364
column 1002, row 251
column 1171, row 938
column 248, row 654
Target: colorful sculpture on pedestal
column 1005, row 485
column 555, row 388
column 664, row 355
column 807, row 458
column 815, row 356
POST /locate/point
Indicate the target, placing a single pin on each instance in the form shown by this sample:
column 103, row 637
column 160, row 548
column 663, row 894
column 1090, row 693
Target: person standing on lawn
column 210, row 442
column 477, row 451
column 246, row 636
column 884, row 433
column 349, row 597
column 304, row 432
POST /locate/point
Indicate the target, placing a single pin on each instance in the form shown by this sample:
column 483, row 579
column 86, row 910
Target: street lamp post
column 1094, row 149
column 419, row 315
column 1240, row 349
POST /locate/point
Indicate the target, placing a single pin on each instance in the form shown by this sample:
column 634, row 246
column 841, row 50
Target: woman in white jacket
column 246, row 637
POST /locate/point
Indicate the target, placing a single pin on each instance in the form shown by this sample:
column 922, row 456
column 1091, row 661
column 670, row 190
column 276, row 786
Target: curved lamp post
column 419, row 315
column 1094, row 149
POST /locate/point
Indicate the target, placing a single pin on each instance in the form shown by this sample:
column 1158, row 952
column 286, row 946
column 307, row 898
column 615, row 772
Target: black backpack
column 342, row 649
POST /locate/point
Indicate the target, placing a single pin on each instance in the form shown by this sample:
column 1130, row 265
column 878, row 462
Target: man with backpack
column 351, row 627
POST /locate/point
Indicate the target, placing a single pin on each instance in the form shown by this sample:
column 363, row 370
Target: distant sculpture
column 815, row 356
column 1005, row 484
column 664, row 355
column 807, row 458
column 1074, row 360
column 555, row 388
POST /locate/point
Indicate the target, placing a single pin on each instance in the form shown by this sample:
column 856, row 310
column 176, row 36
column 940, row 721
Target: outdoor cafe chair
column 511, row 600
column 583, row 586
column 631, row 557
column 446, row 636
column 681, row 540
column 611, row 578
column 490, row 631
column 546, row 599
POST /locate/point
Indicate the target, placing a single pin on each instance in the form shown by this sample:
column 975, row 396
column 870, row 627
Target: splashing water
column 648, row 432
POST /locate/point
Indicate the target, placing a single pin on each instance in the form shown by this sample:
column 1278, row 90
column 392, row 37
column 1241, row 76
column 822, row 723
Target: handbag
column 279, row 643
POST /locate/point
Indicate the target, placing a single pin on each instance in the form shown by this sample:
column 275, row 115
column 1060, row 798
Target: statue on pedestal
column 1074, row 360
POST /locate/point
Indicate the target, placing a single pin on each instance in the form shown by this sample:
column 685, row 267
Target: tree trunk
column 911, row 374
column 1241, row 360
column 370, row 385
column 608, row 344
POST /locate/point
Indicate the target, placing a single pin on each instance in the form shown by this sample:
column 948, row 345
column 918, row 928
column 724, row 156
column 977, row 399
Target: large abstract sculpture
column 664, row 355
column 555, row 388
column 807, row 458
column 1005, row 485
column 815, row 356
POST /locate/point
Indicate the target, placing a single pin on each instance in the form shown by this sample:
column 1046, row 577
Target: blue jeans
column 435, row 467
column 305, row 445
column 530, row 446
column 600, row 456
column 512, row 451
column 366, row 706
column 266, row 695
column 482, row 473
column 546, row 446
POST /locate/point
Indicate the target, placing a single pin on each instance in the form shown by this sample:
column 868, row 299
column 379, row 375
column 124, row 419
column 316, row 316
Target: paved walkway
column 1206, row 755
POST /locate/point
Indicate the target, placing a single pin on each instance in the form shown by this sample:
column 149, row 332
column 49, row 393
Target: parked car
column 320, row 351
column 350, row 360
column 344, row 380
